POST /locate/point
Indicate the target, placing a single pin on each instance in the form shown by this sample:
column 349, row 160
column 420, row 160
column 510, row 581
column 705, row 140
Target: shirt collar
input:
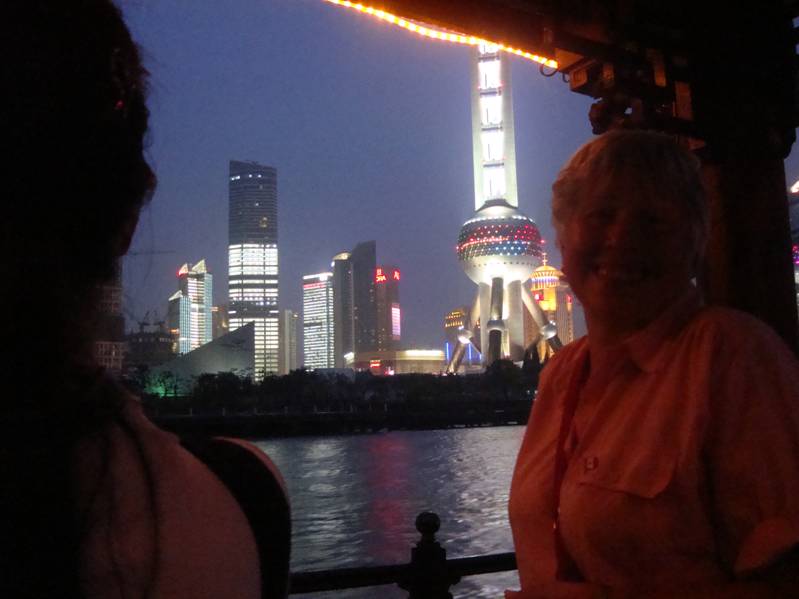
column 645, row 348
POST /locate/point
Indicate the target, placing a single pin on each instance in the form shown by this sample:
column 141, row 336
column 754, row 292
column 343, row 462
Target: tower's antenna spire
column 493, row 145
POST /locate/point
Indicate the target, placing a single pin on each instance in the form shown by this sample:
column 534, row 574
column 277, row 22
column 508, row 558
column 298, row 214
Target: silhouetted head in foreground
column 73, row 178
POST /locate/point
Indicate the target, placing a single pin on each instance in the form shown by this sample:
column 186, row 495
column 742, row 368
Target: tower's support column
column 474, row 317
column 457, row 358
column 485, row 316
column 545, row 328
column 495, row 325
column 466, row 337
column 514, row 320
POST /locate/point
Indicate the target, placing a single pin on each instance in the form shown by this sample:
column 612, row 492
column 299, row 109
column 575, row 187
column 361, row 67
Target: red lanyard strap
column 567, row 570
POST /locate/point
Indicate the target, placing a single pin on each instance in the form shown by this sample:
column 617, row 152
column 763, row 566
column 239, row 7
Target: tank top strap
column 262, row 499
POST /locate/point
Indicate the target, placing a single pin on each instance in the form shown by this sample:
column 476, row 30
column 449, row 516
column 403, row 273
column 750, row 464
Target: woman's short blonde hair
column 652, row 162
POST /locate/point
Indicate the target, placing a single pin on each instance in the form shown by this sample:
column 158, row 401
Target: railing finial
column 429, row 576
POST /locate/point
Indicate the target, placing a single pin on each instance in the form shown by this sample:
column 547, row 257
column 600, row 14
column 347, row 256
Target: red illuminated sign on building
column 382, row 277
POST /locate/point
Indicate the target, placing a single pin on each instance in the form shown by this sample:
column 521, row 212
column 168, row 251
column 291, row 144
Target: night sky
column 368, row 126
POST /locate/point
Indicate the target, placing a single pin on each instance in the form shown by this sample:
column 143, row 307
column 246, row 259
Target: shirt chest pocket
column 624, row 506
column 643, row 478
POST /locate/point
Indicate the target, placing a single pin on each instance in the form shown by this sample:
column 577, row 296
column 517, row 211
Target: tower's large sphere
column 499, row 241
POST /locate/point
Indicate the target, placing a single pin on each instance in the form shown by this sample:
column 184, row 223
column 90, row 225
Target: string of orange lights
column 440, row 34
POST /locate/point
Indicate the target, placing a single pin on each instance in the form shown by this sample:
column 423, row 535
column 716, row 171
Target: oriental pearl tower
column 498, row 247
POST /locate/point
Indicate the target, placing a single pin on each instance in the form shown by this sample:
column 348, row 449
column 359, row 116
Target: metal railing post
column 429, row 576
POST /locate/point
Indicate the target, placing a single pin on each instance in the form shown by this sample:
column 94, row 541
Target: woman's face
column 626, row 254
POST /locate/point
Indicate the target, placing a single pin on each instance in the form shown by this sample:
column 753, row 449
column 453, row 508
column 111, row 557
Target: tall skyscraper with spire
column 253, row 258
column 499, row 246
column 493, row 136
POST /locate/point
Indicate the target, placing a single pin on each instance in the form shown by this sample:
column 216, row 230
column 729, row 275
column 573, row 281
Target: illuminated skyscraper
column 317, row 321
column 344, row 326
column 363, row 260
column 389, row 315
column 189, row 312
column 355, row 305
column 499, row 246
column 253, row 258
column 288, row 341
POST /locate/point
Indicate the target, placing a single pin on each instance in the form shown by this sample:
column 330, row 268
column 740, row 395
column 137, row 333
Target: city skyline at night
column 364, row 123
column 281, row 83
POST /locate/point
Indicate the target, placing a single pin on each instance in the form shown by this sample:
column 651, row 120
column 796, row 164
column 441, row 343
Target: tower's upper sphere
column 499, row 241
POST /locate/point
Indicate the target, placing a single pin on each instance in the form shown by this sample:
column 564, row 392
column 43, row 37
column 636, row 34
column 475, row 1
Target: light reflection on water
column 354, row 499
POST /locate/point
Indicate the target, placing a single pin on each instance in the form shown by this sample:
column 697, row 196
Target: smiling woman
column 660, row 457
column 631, row 222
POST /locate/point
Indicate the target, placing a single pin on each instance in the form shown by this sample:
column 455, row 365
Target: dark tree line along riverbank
column 307, row 402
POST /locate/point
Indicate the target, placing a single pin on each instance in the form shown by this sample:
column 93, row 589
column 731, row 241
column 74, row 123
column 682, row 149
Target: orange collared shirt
column 683, row 456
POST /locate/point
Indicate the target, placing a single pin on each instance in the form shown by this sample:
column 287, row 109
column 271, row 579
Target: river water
column 354, row 499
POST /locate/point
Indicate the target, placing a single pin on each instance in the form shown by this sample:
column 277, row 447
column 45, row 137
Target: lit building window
column 491, row 109
column 487, row 48
column 493, row 145
column 489, row 74
column 493, row 182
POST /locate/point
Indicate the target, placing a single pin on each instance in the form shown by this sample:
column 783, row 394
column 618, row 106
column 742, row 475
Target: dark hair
column 74, row 178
